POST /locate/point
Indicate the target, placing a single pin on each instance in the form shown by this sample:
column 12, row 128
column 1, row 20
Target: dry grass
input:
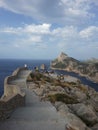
column 63, row 98
column 39, row 77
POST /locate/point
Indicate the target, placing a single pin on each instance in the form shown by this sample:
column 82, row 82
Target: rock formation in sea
column 88, row 69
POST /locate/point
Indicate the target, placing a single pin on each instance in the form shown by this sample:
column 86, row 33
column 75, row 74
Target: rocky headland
column 75, row 102
column 88, row 69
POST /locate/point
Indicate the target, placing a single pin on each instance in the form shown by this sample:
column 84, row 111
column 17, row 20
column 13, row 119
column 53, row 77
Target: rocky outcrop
column 95, row 127
column 73, row 122
column 88, row 69
column 85, row 112
column 76, row 103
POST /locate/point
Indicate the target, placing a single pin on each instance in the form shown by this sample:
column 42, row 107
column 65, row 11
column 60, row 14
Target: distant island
column 87, row 68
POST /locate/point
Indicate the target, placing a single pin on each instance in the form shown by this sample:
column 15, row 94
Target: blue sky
column 42, row 29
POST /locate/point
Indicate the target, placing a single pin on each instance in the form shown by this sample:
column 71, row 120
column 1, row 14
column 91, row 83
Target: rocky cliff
column 76, row 103
column 88, row 69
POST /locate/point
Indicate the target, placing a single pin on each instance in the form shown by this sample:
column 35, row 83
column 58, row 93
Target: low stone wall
column 10, row 89
column 7, row 106
column 13, row 97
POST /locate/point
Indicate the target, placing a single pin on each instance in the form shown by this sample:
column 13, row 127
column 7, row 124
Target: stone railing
column 10, row 89
column 13, row 97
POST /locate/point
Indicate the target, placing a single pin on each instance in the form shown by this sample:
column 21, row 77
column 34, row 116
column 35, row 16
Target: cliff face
column 88, row 69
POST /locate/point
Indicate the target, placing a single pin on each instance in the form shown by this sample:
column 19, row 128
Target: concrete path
column 36, row 115
column 21, row 79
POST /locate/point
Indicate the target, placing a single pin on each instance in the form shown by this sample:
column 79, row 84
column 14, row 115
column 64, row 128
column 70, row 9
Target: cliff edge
column 88, row 69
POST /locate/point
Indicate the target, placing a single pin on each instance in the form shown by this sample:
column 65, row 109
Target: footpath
column 35, row 115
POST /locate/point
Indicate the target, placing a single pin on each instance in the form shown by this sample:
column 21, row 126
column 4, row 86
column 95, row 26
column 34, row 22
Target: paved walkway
column 35, row 115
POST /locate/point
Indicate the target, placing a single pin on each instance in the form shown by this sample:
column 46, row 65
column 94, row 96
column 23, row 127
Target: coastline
column 80, row 74
column 69, row 98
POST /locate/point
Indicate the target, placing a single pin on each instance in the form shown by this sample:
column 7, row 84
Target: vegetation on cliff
column 77, row 103
column 87, row 68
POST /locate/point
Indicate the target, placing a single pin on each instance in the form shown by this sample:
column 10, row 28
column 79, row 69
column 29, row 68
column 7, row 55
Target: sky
column 41, row 29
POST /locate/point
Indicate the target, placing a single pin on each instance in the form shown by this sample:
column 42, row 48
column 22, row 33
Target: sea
column 7, row 66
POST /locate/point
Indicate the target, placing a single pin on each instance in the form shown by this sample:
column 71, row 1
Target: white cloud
column 65, row 32
column 38, row 29
column 70, row 39
column 38, row 33
column 90, row 32
column 78, row 10
column 42, row 36
column 16, row 46
column 31, row 29
column 28, row 35
column 79, row 31
column 34, row 39
column 73, row 11
column 10, row 30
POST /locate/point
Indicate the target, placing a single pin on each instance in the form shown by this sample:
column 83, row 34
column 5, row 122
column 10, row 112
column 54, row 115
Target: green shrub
column 63, row 98
column 60, row 65
column 36, row 76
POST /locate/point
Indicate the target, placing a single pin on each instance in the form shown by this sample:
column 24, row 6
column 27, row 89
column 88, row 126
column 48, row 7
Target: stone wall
column 7, row 106
column 10, row 89
column 13, row 97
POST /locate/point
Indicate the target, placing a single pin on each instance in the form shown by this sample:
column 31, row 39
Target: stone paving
column 36, row 115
